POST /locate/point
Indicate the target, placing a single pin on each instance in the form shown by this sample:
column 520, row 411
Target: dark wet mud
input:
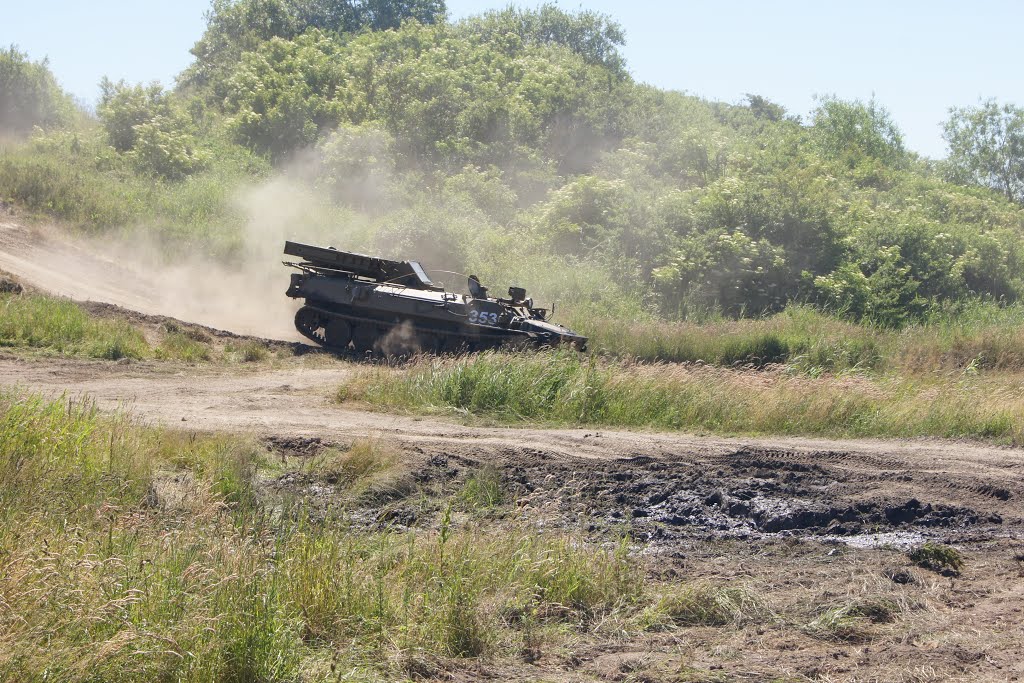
column 746, row 494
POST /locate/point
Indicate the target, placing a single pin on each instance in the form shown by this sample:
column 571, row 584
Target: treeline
column 517, row 143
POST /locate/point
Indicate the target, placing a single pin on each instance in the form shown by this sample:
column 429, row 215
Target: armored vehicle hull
column 393, row 307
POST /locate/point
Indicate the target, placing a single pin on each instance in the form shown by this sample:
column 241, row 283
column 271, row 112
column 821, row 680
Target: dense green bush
column 145, row 123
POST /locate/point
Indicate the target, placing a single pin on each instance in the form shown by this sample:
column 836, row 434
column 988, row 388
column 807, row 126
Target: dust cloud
column 401, row 340
column 132, row 270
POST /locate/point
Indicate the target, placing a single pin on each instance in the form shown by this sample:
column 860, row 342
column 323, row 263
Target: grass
column 705, row 605
column 109, row 574
column 364, row 471
column 798, row 335
column 180, row 346
column 38, row 321
column 561, row 387
column 980, row 336
column 851, row 620
column 937, row 557
column 58, row 325
column 484, row 489
column 253, row 351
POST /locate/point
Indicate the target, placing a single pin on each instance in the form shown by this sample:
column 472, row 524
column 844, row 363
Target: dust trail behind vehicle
column 246, row 299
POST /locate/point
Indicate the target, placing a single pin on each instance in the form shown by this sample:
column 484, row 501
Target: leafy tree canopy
column 517, row 139
column 592, row 35
column 986, row 147
column 447, row 95
column 144, row 122
column 238, row 26
column 853, row 131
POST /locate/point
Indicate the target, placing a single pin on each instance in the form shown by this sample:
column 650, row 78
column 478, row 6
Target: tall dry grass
column 978, row 335
column 563, row 387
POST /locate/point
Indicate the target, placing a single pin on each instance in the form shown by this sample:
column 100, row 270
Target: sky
column 917, row 58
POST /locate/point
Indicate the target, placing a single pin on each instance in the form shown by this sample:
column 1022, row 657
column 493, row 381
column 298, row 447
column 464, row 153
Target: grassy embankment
column 55, row 325
column 59, row 325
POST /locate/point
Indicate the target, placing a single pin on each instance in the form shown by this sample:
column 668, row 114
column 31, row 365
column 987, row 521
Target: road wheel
column 307, row 321
column 429, row 343
column 364, row 337
column 338, row 333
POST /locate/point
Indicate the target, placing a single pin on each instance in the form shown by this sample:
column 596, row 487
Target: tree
column 281, row 98
column 122, row 107
column 986, row 147
column 850, row 131
column 234, row 27
column 763, row 108
column 29, row 94
column 592, row 35
column 380, row 15
column 142, row 122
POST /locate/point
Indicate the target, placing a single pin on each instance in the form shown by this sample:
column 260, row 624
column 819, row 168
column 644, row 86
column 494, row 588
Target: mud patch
column 296, row 446
column 753, row 494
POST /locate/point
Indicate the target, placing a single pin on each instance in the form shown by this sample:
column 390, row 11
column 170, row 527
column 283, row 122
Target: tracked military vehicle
column 393, row 307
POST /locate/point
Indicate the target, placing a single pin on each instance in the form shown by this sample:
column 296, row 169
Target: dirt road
column 666, row 480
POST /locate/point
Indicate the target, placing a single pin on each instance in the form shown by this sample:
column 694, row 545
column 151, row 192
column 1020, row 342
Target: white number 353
column 483, row 318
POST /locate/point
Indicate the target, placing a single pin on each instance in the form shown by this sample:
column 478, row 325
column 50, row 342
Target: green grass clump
column 253, row 351
column 562, row 387
column 937, row 557
column 704, row 605
column 46, row 322
column 851, row 620
column 180, row 346
column 484, row 489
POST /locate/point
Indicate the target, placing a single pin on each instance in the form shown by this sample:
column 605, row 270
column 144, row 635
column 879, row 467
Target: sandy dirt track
column 979, row 486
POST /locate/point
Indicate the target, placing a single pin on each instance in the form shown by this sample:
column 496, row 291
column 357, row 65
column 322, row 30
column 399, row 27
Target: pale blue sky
column 917, row 57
